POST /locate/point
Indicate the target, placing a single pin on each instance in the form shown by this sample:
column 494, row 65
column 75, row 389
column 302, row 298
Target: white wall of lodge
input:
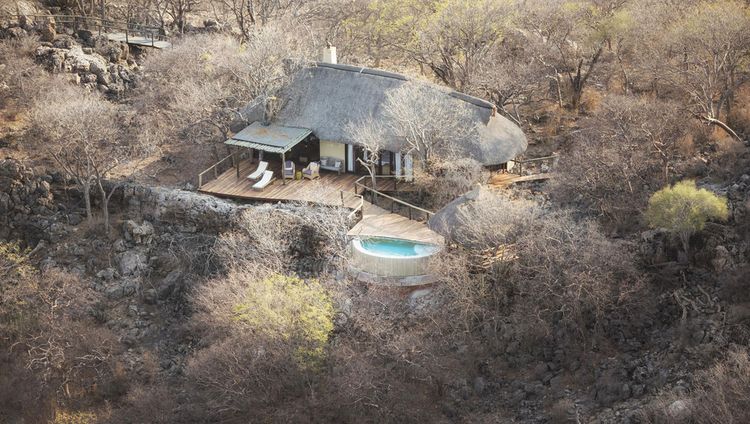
column 401, row 165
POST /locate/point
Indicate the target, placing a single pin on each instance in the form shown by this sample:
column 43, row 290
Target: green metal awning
column 268, row 138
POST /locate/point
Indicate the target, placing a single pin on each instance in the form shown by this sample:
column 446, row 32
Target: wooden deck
column 329, row 189
column 378, row 222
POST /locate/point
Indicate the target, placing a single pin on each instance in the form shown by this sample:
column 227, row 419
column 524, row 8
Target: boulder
column 722, row 258
column 169, row 284
column 132, row 262
column 47, row 29
column 679, row 411
column 139, row 234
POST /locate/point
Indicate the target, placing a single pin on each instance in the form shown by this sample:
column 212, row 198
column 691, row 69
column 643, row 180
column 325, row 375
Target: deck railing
column 216, row 169
column 413, row 210
column 358, row 210
column 151, row 32
column 520, row 164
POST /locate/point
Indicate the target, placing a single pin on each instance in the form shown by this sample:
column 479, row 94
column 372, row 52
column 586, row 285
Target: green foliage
column 290, row 310
column 684, row 209
column 12, row 259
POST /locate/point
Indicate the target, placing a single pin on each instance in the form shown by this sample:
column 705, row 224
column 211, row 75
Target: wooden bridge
column 123, row 32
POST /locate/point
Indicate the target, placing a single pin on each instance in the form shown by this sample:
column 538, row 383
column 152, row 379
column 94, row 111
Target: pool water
column 396, row 248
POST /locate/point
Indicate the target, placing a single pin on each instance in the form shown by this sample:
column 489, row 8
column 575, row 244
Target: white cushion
column 324, row 161
column 338, row 164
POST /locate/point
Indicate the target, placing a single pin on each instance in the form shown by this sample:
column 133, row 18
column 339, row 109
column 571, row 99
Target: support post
column 283, row 164
column 236, row 161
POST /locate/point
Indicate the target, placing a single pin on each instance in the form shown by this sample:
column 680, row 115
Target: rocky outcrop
column 87, row 68
column 27, row 204
column 188, row 211
column 92, row 61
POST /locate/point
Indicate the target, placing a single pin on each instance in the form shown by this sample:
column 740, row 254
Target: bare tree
column 703, row 55
column 179, row 10
column 431, row 129
column 252, row 14
column 460, row 38
column 369, row 134
column 197, row 89
column 81, row 132
column 545, row 269
column 570, row 38
column 620, row 156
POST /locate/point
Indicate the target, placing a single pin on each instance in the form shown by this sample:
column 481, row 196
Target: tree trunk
column 685, row 240
column 105, row 209
column 721, row 125
column 87, row 199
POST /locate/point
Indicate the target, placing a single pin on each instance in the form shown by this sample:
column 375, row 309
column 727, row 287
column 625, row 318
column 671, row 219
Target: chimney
column 269, row 111
column 329, row 54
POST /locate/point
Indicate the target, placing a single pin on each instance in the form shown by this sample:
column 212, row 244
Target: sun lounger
column 265, row 181
column 262, row 166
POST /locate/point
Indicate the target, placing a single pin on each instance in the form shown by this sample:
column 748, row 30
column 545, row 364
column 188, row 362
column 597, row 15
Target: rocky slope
column 88, row 59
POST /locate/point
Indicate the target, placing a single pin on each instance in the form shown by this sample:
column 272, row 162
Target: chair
column 262, row 166
column 289, row 169
column 264, row 182
column 311, row 171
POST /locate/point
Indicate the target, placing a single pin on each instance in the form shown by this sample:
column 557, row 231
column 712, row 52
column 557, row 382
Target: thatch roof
column 326, row 97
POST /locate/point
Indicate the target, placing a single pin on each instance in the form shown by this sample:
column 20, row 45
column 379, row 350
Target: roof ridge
column 476, row 101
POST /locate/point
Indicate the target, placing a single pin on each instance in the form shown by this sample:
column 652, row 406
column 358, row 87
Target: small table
column 298, row 175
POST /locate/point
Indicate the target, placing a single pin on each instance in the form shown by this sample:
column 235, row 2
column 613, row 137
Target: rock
column 150, row 296
column 479, row 385
column 17, row 32
column 128, row 340
column 679, row 410
column 168, row 285
column 74, row 219
column 122, row 289
column 139, row 234
column 722, row 259
column 119, row 246
column 85, row 36
column 106, row 274
column 46, row 29
column 132, row 263
column 65, row 42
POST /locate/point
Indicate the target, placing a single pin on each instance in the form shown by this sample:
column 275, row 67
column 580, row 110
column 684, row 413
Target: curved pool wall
column 391, row 258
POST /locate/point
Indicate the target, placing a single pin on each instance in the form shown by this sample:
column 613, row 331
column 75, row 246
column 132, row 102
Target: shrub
column 684, row 209
column 543, row 270
column 292, row 310
column 266, row 335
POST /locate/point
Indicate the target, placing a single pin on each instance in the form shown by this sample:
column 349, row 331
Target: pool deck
column 378, row 222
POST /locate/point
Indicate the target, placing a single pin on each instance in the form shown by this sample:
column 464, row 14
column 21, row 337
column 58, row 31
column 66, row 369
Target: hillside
column 611, row 286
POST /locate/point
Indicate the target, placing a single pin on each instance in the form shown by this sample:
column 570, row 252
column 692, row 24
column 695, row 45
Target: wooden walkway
column 138, row 40
column 329, row 189
column 506, row 180
column 119, row 31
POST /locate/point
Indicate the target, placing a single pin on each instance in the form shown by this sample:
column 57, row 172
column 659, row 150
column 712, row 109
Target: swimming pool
column 396, row 248
column 389, row 257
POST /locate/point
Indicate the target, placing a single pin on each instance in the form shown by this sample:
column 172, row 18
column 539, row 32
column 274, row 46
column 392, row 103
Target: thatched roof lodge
column 325, row 97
